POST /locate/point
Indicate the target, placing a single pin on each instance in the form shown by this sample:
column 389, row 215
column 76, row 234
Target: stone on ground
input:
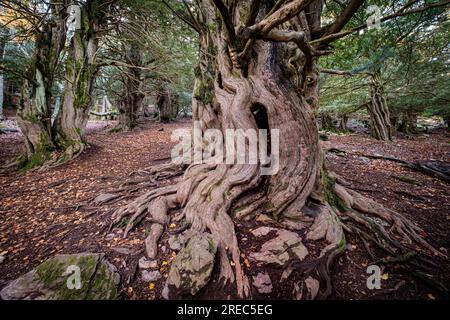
column 263, row 283
column 192, row 268
column 279, row 250
column 151, row 276
column 82, row 276
column 145, row 263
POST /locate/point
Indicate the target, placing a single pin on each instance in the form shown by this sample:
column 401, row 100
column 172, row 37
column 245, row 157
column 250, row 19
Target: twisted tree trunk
column 269, row 85
column 3, row 36
column 408, row 123
column 34, row 117
column 133, row 96
column 381, row 127
column 167, row 105
column 81, row 69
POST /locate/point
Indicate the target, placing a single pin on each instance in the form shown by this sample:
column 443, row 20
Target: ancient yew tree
column 81, row 68
column 34, row 116
column 258, row 70
column 380, row 118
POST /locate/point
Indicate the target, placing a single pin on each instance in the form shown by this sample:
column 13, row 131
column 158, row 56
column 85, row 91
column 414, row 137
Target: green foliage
column 411, row 53
column 168, row 48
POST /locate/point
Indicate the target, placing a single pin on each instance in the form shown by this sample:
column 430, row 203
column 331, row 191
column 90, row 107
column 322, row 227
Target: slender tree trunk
column 343, row 120
column 447, row 122
column 34, row 117
column 381, row 127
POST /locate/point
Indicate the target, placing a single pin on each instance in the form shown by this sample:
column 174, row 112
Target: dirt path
column 40, row 214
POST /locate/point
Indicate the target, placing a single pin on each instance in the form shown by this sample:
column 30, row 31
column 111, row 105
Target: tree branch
column 226, row 19
column 283, row 14
column 182, row 17
column 329, row 38
column 345, row 17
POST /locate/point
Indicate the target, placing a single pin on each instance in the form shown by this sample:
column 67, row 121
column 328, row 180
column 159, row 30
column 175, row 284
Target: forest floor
column 45, row 213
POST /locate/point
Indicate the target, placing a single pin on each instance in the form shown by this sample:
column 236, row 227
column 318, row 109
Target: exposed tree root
column 435, row 169
column 388, row 230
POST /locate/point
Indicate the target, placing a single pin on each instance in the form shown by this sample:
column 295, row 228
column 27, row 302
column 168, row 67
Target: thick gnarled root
column 389, row 229
column 206, row 203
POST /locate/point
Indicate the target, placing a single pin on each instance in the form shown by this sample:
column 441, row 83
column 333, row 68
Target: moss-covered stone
column 193, row 265
column 50, row 281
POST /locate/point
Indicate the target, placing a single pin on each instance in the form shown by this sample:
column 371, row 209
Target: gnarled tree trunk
column 81, row 68
column 34, row 117
column 3, row 36
column 269, row 85
column 167, row 105
column 408, row 123
column 381, row 127
column 133, row 96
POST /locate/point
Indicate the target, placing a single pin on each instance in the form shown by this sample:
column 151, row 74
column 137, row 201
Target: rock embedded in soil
column 279, row 250
column 177, row 242
column 151, row 276
column 192, row 268
column 144, row 263
column 263, row 283
column 263, row 231
column 82, row 276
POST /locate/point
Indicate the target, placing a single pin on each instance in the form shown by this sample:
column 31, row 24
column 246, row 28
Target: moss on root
column 329, row 193
column 42, row 154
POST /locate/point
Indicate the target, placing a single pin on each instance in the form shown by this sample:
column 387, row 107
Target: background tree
column 379, row 59
column 81, row 70
column 46, row 24
column 153, row 57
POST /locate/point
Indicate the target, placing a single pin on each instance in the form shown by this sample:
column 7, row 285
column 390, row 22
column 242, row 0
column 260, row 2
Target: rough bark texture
column 408, row 123
column 3, row 34
column 167, row 105
column 272, row 84
column 133, row 96
column 378, row 109
column 327, row 122
column 81, row 69
column 34, row 117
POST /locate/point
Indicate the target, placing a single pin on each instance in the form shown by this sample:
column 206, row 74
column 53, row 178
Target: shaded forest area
column 347, row 100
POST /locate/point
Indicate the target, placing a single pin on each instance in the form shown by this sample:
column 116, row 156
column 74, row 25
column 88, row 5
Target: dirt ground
column 46, row 213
